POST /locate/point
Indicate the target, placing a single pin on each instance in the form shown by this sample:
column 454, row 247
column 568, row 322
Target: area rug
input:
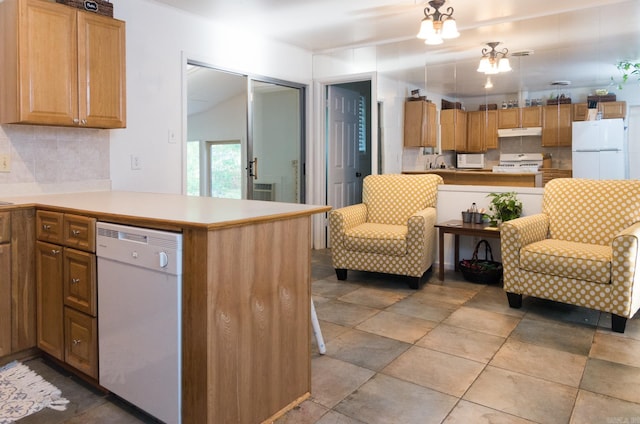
column 23, row 392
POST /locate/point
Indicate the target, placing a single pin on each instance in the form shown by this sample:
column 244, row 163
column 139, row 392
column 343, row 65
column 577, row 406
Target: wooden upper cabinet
column 453, row 129
column 482, row 131
column 509, row 118
column 612, row 110
column 102, row 73
column 420, row 124
column 556, row 125
column 525, row 117
column 61, row 66
column 531, row 117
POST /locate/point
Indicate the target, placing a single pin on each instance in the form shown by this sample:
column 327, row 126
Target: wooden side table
column 459, row 228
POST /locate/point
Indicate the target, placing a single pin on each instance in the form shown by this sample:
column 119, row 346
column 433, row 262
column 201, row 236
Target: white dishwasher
column 139, row 317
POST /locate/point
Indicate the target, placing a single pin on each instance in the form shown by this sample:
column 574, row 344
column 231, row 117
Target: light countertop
column 179, row 210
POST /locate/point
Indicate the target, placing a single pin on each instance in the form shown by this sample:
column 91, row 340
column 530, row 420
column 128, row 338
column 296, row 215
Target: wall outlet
column 136, row 163
column 5, row 163
column 171, row 137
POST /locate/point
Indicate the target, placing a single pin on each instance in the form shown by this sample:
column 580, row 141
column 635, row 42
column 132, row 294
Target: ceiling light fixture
column 488, row 84
column 494, row 61
column 437, row 26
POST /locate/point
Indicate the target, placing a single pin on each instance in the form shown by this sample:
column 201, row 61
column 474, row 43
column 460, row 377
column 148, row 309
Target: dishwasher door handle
column 164, row 259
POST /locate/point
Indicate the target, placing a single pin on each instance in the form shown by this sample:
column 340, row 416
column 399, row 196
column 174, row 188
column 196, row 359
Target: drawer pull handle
column 76, row 342
column 54, row 251
column 75, row 233
column 46, row 227
column 75, row 280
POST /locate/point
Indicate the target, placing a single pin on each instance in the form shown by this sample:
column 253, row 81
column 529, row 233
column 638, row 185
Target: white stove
column 519, row 162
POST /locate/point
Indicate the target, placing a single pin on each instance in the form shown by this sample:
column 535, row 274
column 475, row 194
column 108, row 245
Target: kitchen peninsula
column 246, row 294
column 485, row 177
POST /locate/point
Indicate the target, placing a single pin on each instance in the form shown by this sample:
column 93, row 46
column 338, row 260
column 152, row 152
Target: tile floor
column 451, row 352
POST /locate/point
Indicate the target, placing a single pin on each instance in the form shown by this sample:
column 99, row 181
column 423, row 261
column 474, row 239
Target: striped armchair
column 581, row 250
column 391, row 231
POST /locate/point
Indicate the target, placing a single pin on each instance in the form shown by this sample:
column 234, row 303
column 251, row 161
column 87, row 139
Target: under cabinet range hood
column 520, row 132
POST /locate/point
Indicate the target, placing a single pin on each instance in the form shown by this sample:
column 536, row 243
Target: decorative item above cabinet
column 61, row 66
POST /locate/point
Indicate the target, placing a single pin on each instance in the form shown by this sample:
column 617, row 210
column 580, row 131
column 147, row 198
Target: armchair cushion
column 384, row 239
column 580, row 261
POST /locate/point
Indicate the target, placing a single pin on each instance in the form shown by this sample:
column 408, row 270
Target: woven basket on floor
column 484, row 271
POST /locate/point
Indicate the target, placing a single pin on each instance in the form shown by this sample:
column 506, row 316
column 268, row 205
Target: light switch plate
column 5, row 163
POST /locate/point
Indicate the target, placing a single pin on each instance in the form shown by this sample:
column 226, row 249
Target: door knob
column 358, row 174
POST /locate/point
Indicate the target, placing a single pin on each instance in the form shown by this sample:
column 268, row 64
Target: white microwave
column 470, row 160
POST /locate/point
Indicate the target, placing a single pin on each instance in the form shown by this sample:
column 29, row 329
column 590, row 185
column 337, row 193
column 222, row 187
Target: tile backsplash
column 54, row 159
column 413, row 158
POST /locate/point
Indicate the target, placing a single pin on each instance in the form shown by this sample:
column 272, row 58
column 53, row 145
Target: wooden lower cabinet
column 81, row 341
column 66, row 291
column 49, row 294
column 23, row 281
column 5, row 299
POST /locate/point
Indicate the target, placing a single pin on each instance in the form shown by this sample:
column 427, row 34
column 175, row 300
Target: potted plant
column 628, row 69
column 503, row 207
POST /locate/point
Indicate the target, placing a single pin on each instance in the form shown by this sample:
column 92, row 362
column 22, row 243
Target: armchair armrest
column 420, row 227
column 625, row 275
column 343, row 219
column 421, row 240
column 514, row 235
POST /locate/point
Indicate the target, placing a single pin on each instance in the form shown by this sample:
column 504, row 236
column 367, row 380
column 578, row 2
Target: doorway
column 245, row 136
column 348, row 141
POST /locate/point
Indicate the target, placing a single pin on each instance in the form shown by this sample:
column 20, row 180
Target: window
column 217, row 172
column 362, row 124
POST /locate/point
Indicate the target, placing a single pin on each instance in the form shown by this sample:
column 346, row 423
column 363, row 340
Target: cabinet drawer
column 80, row 232
column 81, row 342
column 80, row 281
column 49, row 226
column 5, row 227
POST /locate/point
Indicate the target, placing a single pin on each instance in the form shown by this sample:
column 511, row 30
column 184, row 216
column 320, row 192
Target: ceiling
column 575, row 40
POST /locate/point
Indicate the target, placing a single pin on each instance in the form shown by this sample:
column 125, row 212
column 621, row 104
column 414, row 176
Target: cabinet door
column 531, row 117
column 49, row 299
column 5, row 299
column 80, row 281
column 49, row 226
column 431, row 139
column 477, row 126
column 491, row 129
column 580, row 112
column 415, row 123
column 81, row 342
column 453, row 129
column 47, row 58
column 79, row 232
column 556, row 125
column 102, row 74
column 611, row 110
column 509, row 118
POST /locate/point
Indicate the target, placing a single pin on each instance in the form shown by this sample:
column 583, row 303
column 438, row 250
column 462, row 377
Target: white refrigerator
column 599, row 150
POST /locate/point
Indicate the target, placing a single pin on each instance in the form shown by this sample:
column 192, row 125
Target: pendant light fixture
column 494, row 61
column 437, row 26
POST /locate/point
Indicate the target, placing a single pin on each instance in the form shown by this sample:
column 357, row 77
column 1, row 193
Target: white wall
column 159, row 40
